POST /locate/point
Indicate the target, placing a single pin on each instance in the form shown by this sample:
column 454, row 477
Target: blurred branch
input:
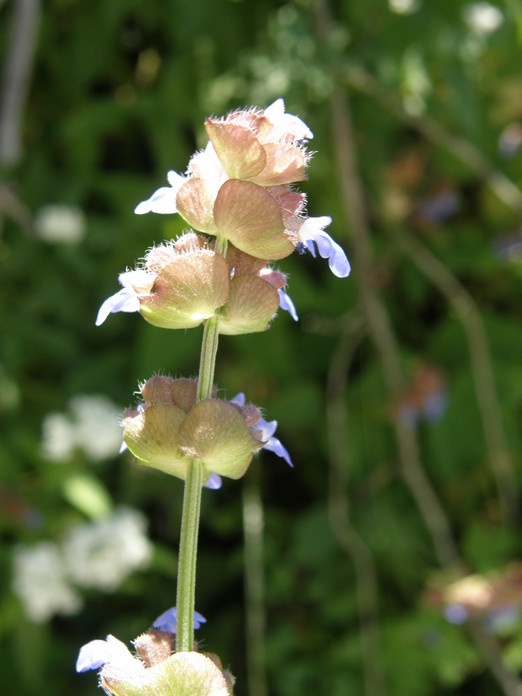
column 385, row 339
column 339, row 509
column 254, row 583
column 377, row 317
column 11, row 206
column 16, row 77
column 492, row 654
column 387, row 347
column 487, row 399
column 461, row 148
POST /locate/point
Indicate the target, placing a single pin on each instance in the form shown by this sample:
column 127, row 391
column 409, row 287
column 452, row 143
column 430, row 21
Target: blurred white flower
column 58, row 437
column 482, row 18
column 97, row 426
column 39, row 580
column 102, row 554
column 404, row 6
column 60, row 223
column 93, row 425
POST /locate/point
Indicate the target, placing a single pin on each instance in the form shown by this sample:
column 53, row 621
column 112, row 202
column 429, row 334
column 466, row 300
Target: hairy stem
column 188, row 544
column 254, row 583
column 186, row 594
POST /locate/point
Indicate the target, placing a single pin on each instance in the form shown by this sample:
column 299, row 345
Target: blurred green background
column 398, row 394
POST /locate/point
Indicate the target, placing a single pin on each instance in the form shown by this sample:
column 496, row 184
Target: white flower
column 97, row 426
column 58, row 440
column 286, row 124
column 39, row 580
column 163, row 200
column 102, row 554
column 92, row 425
column 482, row 18
column 60, row 223
column 112, row 651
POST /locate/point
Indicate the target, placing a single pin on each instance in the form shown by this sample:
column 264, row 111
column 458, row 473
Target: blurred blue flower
column 456, row 614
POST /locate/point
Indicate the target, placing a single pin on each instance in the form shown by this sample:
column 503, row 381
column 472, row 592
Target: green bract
column 171, row 430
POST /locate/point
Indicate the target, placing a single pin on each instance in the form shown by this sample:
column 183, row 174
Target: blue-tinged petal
column 198, row 620
column 168, row 620
column 125, row 300
column 163, row 201
column 93, row 655
column 239, row 399
column 99, row 652
column 214, row 482
column 312, row 233
column 265, row 428
column 274, row 445
column 287, row 123
column 286, row 303
column 337, row 260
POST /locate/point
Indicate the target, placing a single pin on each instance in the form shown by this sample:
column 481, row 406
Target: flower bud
column 170, row 430
column 260, row 146
column 188, row 287
column 243, row 212
column 180, row 286
column 184, row 673
column 253, row 298
column 215, row 433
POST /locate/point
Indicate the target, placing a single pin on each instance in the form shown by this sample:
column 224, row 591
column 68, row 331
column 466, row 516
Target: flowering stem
column 188, row 544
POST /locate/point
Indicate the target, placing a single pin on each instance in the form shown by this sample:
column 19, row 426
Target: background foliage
column 409, row 102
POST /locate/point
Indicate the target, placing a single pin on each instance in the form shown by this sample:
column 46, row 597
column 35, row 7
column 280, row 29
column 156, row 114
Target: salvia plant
column 238, row 197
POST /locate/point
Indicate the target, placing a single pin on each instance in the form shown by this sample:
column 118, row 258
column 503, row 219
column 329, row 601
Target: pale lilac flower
column 125, row 300
column 264, row 431
column 97, row 653
column 163, row 200
column 214, row 482
column 312, row 234
column 168, row 620
column 286, row 123
column 286, row 303
column 267, row 430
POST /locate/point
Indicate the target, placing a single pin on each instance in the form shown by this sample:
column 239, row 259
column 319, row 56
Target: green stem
column 188, row 544
column 185, row 601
